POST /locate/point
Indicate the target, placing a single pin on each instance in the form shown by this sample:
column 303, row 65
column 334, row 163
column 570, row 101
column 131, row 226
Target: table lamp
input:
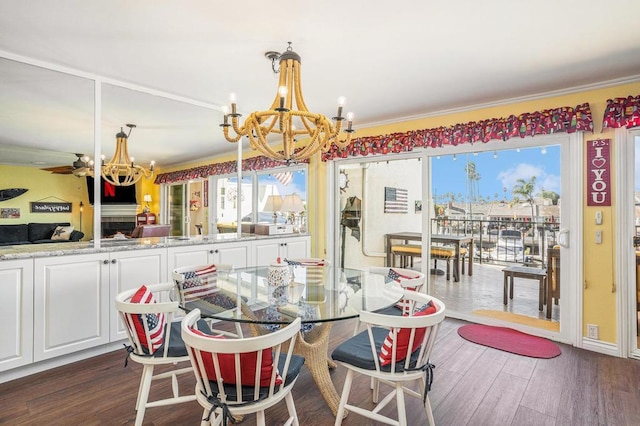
column 292, row 204
column 147, row 199
column 273, row 204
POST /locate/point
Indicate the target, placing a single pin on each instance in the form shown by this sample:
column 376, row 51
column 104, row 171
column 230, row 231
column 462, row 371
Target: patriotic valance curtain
column 227, row 167
column 563, row 119
column 622, row 112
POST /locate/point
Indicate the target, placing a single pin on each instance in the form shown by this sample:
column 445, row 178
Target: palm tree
column 473, row 177
column 524, row 188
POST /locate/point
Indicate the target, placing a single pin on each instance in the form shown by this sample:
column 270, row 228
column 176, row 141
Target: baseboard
column 38, row 367
column 601, row 347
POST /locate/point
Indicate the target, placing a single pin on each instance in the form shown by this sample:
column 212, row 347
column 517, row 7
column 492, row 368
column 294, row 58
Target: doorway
column 462, row 191
column 627, row 154
column 188, row 208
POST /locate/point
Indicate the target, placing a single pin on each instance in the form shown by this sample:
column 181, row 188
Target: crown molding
column 567, row 91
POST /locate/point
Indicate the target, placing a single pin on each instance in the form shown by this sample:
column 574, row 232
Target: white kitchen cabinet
column 73, row 297
column 16, row 313
column 236, row 254
column 268, row 250
column 71, row 304
column 128, row 270
column 179, row 257
column 61, row 305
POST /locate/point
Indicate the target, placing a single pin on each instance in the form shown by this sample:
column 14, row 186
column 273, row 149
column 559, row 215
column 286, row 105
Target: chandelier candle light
column 288, row 117
column 121, row 169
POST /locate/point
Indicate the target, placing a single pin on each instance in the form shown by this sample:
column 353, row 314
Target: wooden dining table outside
column 456, row 240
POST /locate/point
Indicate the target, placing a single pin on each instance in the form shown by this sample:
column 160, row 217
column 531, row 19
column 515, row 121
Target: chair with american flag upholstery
column 393, row 351
column 197, row 287
column 408, row 279
column 154, row 339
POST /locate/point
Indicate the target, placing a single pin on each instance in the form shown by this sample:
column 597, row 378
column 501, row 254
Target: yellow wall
column 599, row 303
column 598, row 263
column 46, row 186
column 146, row 186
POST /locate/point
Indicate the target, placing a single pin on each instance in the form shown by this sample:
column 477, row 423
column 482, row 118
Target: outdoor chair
column 154, row 340
column 239, row 376
column 381, row 352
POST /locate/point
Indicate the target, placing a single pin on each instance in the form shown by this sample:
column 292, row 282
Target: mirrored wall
column 47, row 122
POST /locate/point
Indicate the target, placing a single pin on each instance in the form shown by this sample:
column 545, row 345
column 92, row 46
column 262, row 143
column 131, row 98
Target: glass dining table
column 318, row 295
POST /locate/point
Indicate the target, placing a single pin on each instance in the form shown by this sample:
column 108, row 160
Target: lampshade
column 147, row 198
column 292, row 203
column 273, row 203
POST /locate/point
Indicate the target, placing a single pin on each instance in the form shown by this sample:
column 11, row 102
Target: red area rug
column 509, row 340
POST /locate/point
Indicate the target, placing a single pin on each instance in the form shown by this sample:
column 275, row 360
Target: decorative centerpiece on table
column 278, row 279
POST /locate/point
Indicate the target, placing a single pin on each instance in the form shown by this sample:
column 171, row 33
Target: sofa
column 38, row 233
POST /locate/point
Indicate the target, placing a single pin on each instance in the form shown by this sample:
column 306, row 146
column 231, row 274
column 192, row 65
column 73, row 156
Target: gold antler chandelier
column 121, row 169
column 289, row 117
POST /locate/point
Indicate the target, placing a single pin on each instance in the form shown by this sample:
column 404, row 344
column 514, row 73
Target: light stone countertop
column 28, row 251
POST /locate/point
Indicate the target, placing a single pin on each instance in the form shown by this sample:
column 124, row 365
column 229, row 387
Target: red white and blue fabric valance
column 228, row 167
column 563, row 119
column 622, row 112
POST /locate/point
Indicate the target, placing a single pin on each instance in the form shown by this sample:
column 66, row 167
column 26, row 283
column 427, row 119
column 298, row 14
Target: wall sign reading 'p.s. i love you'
column 598, row 172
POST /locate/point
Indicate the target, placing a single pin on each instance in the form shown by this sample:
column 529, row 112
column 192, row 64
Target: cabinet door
column 236, row 254
column 128, row 270
column 71, row 304
column 266, row 251
column 189, row 255
column 16, row 313
column 296, row 248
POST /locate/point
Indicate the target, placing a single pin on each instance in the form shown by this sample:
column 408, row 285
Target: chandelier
column 288, row 117
column 121, row 169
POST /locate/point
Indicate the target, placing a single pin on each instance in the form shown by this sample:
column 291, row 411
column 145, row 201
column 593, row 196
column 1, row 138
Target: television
column 111, row 194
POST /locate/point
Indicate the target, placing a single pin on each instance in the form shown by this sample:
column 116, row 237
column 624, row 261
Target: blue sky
column 500, row 172
column 297, row 185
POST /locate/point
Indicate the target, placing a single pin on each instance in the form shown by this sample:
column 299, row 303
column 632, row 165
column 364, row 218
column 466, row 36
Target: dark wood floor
column 474, row 385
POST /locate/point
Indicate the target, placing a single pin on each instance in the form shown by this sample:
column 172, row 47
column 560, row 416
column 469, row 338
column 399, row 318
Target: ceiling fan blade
column 77, row 168
column 61, row 170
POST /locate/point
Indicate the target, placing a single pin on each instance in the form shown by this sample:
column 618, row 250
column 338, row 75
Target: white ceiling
column 392, row 60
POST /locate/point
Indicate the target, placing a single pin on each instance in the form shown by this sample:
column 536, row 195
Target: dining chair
column 408, row 279
column 381, row 352
column 197, row 286
column 314, row 269
column 240, row 376
column 154, row 340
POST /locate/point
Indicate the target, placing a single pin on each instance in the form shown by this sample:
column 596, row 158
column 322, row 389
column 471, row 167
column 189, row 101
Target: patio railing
column 531, row 248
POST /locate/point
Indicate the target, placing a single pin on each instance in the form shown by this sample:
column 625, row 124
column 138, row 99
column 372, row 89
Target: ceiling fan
column 78, row 168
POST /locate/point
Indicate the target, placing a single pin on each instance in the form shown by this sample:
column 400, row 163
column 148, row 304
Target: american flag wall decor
column 284, row 178
column 396, row 200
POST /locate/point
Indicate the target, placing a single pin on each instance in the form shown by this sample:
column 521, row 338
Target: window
column 256, row 189
column 229, row 199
